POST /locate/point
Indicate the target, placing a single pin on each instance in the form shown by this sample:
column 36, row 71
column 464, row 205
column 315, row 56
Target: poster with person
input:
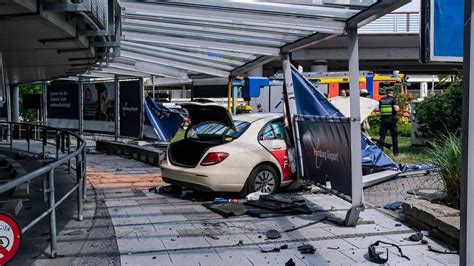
column 99, row 107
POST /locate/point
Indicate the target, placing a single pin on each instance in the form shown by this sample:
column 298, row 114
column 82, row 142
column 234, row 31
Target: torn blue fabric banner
column 309, row 101
column 164, row 121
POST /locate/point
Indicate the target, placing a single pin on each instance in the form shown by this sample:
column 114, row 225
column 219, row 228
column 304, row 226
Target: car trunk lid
column 206, row 112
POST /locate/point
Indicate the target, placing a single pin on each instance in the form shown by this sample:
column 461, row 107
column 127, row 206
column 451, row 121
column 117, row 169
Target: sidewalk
column 166, row 230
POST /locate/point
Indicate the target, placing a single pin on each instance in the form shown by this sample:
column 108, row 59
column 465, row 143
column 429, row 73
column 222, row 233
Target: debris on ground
column 307, row 249
column 255, row 195
column 290, row 262
column 424, row 241
column 275, row 249
column 273, row 234
column 430, row 248
column 226, row 209
column 222, row 201
column 396, row 205
column 375, row 257
column 266, row 206
column 320, row 219
column 416, row 237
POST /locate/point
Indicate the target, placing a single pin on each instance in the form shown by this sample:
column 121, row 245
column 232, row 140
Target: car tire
column 263, row 178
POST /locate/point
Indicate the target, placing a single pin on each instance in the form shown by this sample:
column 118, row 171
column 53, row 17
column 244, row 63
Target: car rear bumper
column 203, row 178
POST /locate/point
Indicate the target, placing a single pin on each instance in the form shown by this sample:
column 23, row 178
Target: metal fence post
column 10, row 135
column 84, row 174
column 57, row 145
column 52, row 215
column 79, row 188
column 68, row 145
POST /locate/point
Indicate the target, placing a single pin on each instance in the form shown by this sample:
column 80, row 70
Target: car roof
column 252, row 117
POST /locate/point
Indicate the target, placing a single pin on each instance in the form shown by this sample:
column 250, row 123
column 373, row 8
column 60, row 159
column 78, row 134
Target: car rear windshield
column 215, row 130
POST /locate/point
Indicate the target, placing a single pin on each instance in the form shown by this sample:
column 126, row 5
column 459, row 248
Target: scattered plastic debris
column 273, row 234
column 307, row 249
column 416, row 237
column 290, row 262
column 275, row 249
column 255, row 195
column 430, row 248
column 393, row 205
column 375, row 257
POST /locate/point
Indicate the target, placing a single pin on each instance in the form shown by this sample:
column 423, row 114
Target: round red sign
column 10, row 238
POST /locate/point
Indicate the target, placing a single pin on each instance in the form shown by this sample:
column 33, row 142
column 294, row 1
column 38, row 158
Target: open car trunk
column 188, row 152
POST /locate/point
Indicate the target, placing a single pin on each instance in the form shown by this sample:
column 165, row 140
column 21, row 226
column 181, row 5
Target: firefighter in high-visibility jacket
column 389, row 109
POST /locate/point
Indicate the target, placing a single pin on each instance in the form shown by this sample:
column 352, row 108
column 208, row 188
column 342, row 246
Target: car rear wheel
column 264, row 179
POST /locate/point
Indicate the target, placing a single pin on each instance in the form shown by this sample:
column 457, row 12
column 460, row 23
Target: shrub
column 441, row 114
column 446, row 156
column 404, row 128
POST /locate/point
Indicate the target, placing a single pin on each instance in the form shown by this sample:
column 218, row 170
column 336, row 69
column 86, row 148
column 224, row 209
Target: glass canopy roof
column 178, row 38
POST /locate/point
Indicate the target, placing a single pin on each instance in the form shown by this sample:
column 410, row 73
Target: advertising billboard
column 442, row 31
column 99, row 107
column 130, row 108
column 63, row 105
column 326, row 150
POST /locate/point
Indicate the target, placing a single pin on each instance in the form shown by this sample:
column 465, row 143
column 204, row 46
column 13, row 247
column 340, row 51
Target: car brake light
column 213, row 158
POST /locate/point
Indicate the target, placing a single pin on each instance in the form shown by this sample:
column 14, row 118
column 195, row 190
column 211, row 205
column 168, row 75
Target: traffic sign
column 10, row 238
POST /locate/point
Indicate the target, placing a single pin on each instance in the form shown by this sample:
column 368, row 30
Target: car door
column 273, row 137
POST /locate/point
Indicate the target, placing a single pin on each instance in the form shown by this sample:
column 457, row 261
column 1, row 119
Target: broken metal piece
column 374, row 256
column 307, row 249
column 273, row 234
column 416, row 237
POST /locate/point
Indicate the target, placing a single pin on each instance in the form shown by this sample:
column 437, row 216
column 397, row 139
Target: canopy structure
column 222, row 38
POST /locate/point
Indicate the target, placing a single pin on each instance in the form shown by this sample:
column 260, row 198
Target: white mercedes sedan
column 243, row 154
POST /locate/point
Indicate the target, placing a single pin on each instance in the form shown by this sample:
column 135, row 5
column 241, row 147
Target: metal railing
column 68, row 146
column 395, row 22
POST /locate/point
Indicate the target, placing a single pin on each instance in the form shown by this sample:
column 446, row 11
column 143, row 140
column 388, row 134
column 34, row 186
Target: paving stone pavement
column 162, row 229
column 396, row 190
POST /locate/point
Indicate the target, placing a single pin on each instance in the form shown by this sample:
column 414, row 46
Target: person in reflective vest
column 389, row 108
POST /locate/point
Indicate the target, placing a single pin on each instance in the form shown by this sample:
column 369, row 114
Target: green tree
column 441, row 114
column 29, row 115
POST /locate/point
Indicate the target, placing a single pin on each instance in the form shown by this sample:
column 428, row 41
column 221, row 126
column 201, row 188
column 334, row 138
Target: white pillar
column 256, row 72
column 467, row 177
column 356, row 157
column 15, row 103
column 423, row 90
column 319, row 66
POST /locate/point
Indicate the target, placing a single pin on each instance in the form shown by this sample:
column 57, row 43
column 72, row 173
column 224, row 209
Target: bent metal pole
column 356, row 157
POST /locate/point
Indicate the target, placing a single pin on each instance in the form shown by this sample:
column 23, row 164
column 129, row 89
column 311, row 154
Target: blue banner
column 164, row 121
column 448, row 28
column 309, row 101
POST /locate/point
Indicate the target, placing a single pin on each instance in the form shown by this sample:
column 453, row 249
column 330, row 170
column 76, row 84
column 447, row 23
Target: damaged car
column 244, row 153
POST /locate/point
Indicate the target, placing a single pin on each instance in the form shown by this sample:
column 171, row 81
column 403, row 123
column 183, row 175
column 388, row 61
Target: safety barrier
column 67, row 145
column 395, row 22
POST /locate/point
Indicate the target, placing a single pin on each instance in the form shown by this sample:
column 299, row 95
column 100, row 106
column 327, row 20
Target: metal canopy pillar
column 142, row 109
column 81, row 106
column 356, row 157
column 467, row 176
column 117, row 108
column 153, row 86
column 15, row 103
column 44, row 104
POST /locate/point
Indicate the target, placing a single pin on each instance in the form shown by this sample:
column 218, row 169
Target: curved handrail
column 78, row 154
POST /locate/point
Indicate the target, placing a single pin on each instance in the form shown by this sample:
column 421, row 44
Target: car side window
column 273, row 130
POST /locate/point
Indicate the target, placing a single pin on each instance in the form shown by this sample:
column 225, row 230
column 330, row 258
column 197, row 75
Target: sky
column 413, row 6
